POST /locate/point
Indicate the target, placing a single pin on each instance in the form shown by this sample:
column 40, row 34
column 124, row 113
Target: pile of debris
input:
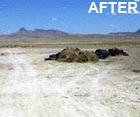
column 74, row 55
column 103, row 53
column 77, row 55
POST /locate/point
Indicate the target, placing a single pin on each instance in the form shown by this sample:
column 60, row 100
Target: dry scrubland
column 82, row 41
column 30, row 87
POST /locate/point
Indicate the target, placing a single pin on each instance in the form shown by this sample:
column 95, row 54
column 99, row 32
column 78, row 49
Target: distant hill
column 39, row 38
column 37, row 33
column 126, row 33
column 41, row 33
column 138, row 31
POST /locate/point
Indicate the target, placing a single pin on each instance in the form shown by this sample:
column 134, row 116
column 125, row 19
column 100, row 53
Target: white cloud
column 113, row 25
column 64, row 7
column 54, row 19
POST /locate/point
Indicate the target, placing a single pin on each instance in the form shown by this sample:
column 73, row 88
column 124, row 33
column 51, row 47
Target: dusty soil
column 30, row 87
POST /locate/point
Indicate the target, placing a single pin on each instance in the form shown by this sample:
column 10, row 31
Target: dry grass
column 63, row 45
column 71, row 40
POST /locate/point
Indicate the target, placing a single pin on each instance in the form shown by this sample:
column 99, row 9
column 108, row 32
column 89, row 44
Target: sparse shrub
column 82, row 58
column 68, row 55
column 76, row 55
column 87, row 57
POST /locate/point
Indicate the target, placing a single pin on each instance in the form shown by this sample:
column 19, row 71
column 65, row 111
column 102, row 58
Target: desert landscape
column 32, row 87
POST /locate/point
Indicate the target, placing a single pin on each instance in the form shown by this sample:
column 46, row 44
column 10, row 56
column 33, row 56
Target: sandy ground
column 30, row 87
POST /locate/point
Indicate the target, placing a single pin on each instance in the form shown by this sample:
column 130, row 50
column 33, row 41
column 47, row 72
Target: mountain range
column 37, row 33
column 41, row 33
column 126, row 33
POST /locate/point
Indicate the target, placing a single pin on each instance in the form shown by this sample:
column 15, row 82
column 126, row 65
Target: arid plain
column 32, row 87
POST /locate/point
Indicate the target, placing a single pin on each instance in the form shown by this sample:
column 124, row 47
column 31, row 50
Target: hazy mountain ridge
column 126, row 33
column 37, row 33
column 138, row 31
column 42, row 33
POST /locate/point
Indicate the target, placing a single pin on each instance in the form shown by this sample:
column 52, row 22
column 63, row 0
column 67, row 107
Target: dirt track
column 30, row 87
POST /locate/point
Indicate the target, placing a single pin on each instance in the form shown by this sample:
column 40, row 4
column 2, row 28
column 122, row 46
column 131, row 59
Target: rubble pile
column 74, row 55
column 77, row 55
column 103, row 53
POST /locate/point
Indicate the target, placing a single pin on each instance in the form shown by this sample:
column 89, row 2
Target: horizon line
column 67, row 32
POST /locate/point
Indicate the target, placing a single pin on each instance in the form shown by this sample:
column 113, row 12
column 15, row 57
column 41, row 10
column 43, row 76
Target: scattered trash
column 103, row 54
column 76, row 55
column 136, row 71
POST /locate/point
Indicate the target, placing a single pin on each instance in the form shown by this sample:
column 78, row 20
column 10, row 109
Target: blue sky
column 66, row 15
